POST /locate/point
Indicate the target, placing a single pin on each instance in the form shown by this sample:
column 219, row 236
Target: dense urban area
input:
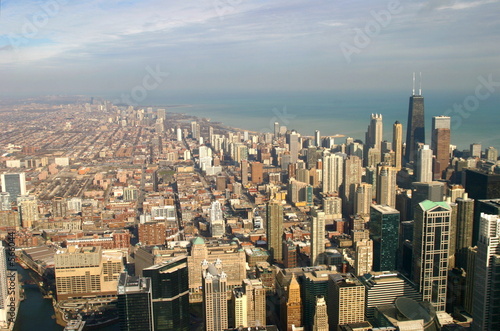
column 150, row 219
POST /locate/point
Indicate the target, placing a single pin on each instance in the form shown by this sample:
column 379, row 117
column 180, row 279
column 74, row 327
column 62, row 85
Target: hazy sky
column 106, row 46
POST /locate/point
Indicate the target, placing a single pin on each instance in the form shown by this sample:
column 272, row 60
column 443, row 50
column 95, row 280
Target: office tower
column 317, row 138
column 431, row 241
column 424, row 164
column 14, row 184
column 440, row 144
column 135, row 303
column 292, row 312
column 332, row 207
column 317, row 236
column 486, row 298
column 475, row 150
column 345, row 300
column 320, row 315
column 170, row 294
column 482, row 185
column 397, row 144
column 257, row 173
column 465, row 225
column 130, row 193
column 384, row 231
column 375, row 132
column 86, row 271
column 239, row 307
column 363, row 256
column 470, row 279
column 217, row 223
column 276, row 129
column 293, row 143
column 363, row 199
column 433, row 191
column 274, row 229
column 333, row 166
column 415, row 132
column 386, row 186
column 382, row 288
column 352, row 178
column 314, row 284
column 256, row 303
column 228, row 252
column 491, row 154
column 215, row 297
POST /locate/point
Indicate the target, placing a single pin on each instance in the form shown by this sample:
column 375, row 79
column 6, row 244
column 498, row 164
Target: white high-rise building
column 431, row 243
column 333, row 168
column 317, row 236
column 424, row 164
column 217, row 224
column 486, row 298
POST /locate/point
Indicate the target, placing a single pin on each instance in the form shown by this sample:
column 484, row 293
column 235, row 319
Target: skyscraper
column 215, row 297
column 333, row 177
column 293, row 306
column 486, row 298
column 317, row 138
column 397, row 144
column 386, row 186
column 317, row 236
column 352, row 178
column 465, row 225
column 217, row 223
column 256, row 302
column 320, row 315
column 345, row 301
column 363, row 258
column 274, row 227
column 424, row 164
column 440, row 144
column 14, row 184
column 431, row 241
column 375, row 132
column 293, row 143
column 244, row 172
column 475, row 150
column 135, row 307
column 384, row 231
column 363, row 199
column 170, row 294
column 415, row 132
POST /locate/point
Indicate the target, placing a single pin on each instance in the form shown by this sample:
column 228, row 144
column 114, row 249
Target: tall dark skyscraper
column 135, row 308
column 384, row 231
column 170, row 293
column 415, row 132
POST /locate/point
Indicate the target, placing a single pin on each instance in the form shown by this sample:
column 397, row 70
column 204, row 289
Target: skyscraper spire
column 420, row 89
column 413, row 90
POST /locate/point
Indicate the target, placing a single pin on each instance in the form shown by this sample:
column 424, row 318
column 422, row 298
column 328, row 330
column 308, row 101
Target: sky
column 105, row 47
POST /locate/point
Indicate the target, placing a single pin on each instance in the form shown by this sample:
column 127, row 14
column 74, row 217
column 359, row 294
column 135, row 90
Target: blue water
column 37, row 313
column 340, row 113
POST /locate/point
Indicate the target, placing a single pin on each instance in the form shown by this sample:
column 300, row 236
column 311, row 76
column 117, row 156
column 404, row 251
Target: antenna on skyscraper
column 420, row 89
column 413, row 91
